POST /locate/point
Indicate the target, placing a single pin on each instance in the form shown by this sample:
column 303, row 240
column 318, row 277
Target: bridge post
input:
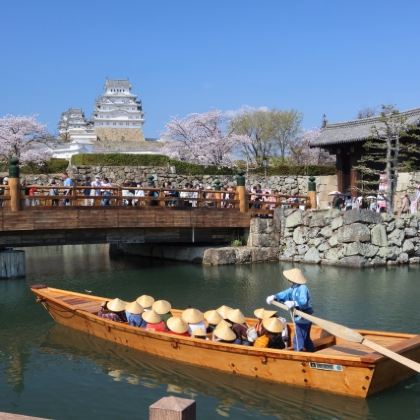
column 241, row 193
column 312, row 193
column 218, row 195
column 14, row 184
column 173, row 408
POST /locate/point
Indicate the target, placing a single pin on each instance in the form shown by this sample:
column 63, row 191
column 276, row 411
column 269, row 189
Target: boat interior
column 324, row 342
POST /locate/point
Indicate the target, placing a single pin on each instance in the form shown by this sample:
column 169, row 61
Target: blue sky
column 184, row 56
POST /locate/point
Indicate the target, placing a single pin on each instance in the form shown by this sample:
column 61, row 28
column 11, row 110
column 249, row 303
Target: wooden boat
column 336, row 366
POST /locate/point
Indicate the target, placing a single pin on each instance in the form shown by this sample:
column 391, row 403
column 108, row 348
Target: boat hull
column 345, row 375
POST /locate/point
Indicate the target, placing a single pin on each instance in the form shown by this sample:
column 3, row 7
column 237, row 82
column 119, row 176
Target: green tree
column 392, row 147
column 263, row 133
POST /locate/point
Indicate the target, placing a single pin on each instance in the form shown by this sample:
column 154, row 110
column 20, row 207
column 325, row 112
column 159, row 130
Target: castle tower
column 118, row 115
column 73, row 127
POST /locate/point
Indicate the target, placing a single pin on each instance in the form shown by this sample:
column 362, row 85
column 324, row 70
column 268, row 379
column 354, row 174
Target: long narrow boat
column 336, row 366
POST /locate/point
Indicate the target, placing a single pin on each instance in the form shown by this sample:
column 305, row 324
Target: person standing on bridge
column 297, row 296
column 67, row 182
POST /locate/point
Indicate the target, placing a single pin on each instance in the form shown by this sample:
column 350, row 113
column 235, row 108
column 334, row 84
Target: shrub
column 297, row 170
column 119, row 159
column 54, row 165
column 236, row 243
column 186, row 168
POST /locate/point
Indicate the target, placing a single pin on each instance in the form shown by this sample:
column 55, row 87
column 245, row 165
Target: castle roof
column 358, row 130
column 117, row 84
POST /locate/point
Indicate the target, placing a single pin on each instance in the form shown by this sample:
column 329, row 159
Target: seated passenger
column 194, row 318
column 260, row 314
column 162, row 308
column 224, row 334
column 237, row 320
column 271, row 334
column 178, row 326
column 133, row 313
column 200, row 333
column 223, row 311
column 213, row 318
column 145, row 301
column 116, row 310
column 104, row 309
column 153, row 321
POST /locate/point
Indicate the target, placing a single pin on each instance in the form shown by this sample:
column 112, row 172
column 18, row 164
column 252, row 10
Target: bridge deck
column 119, row 217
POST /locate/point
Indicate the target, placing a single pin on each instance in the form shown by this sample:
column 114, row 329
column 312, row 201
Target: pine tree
column 393, row 146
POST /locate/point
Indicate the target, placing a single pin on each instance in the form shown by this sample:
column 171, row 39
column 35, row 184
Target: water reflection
column 132, row 368
column 113, row 382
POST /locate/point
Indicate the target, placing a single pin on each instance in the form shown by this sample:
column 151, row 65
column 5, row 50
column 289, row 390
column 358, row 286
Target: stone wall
column 353, row 238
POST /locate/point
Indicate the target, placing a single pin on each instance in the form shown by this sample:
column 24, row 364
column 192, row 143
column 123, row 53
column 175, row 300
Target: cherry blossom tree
column 200, row 138
column 302, row 154
column 23, row 137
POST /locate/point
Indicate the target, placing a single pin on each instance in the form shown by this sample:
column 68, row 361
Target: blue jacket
column 299, row 294
column 135, row 320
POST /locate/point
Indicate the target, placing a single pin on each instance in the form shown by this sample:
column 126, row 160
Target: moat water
column 54, row 372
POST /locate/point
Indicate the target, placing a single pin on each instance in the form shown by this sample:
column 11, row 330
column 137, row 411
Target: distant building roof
column 357, row 130
column 117, row 84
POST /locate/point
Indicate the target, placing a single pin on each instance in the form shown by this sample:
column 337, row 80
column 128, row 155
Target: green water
column 51, row 371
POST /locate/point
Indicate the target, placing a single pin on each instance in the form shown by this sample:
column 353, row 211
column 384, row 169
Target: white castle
column 117, row 117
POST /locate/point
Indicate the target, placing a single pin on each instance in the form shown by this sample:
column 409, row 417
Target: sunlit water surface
column 50, row 371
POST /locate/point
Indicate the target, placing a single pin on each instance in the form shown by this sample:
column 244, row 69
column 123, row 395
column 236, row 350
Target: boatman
column 297, row 296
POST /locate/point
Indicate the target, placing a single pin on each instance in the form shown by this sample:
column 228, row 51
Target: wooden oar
column 351, row 335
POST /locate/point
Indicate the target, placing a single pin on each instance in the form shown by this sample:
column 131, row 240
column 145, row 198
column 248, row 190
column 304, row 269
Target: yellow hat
column 236, row 316
column 151, row 317
column 212, row 317
column 145, row 300
column 273, row 325
column 199, row 332
column 177, row 325
column 134, row 308
column 116, row 305
column 295, row 276
column 262, row 313
column 192, row 316
column 223, row 311
column 161, row 307
column 223, row 332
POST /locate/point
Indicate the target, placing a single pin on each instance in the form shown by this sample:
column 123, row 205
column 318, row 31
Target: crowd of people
column 377, row 203
column 224, row 324
column 100, row 191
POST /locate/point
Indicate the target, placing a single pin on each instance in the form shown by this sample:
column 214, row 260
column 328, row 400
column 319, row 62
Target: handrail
column 53, row 196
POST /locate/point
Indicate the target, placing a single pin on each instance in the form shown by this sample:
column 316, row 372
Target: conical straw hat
column 223, row 332
column 273, row 325
column 212, row 317
column 223, row 322
column 134, row 308
column 161, row 307
column 223, row 311
column 116, row 305
column 199, row 332
column 145, row 300
column 177, row 325
column 262, row 313
column 236, row 316
column 151, row 317
column 295, row 276
column 192, row 316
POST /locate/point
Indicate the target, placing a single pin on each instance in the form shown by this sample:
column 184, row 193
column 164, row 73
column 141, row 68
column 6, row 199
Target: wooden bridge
column 51, row 215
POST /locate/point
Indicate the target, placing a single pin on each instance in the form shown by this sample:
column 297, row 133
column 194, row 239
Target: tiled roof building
column 346, row 139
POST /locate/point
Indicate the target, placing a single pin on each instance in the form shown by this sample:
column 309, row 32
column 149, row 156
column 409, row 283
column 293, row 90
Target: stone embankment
column 262, row 245
column 355, row 238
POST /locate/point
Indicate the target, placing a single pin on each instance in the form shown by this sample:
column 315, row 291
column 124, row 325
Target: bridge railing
column 52, row 196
